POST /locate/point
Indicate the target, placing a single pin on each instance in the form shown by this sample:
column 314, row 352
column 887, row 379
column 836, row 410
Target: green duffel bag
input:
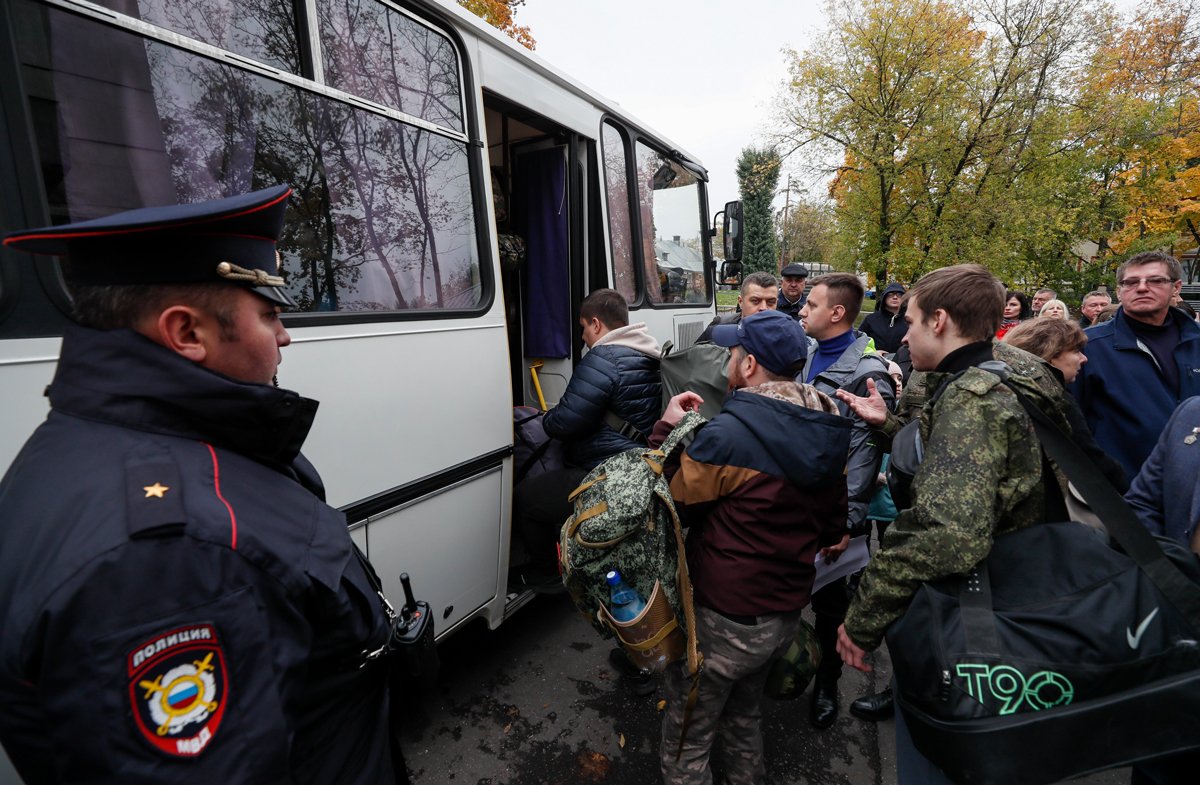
column 700, row 368
column 790, row 674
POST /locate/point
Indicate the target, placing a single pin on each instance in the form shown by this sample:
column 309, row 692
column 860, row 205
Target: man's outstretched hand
column 871, row 409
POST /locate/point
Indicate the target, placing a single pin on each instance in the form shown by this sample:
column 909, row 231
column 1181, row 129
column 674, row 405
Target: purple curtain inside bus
column 542, row 191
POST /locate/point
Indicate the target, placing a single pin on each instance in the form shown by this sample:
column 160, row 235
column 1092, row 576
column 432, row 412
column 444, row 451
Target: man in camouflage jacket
column 982, row 473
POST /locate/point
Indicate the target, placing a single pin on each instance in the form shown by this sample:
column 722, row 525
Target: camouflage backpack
column 625, row 520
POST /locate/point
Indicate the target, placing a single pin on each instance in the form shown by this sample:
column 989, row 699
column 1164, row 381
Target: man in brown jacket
column 762, row 488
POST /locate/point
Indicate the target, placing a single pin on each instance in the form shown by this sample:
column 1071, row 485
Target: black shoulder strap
column 624, row 427
column 1116, row 515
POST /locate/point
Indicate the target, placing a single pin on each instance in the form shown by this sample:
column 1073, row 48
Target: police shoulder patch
column 178, row 688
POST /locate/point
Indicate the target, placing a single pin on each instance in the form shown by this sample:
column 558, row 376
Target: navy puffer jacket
column 610, row 377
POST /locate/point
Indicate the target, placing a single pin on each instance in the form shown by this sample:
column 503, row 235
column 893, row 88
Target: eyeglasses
column 1154, row 280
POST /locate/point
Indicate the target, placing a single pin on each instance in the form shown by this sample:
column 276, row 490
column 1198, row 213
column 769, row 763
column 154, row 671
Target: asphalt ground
column 537, row 703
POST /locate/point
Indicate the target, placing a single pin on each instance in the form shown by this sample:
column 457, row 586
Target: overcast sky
column 704, row 74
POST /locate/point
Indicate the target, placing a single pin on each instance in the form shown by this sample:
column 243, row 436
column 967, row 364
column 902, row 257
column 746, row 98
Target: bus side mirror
column 733, row 234
column 731, row 274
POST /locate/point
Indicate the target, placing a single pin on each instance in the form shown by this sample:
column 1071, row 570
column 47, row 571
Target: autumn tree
column 806, row 231
column 1144, row 158
column 943, row 127
column 499, row 14
column 866, row 97
column 758, row 177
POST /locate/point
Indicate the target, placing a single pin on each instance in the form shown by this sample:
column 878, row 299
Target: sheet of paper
column 852, row 560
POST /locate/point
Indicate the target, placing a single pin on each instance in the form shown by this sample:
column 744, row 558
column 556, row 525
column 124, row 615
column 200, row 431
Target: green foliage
column 758, row 178
column 1019, row 135
column 807, row 231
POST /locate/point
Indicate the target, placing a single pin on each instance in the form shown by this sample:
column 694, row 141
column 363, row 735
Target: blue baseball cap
column 775, row 339
column 231, row 240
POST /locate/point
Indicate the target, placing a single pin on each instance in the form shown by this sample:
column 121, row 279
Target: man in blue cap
column 763, row 488
column 178, row 603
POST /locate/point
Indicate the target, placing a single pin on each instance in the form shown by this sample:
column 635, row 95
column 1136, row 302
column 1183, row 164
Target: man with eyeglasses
column 1141, row 363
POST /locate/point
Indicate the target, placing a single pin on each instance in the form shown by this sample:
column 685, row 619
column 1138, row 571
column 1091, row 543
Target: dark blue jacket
column 163, row 545
column 611, row 378
column 1165, row 494
column 1122, row 393
column 792, row 309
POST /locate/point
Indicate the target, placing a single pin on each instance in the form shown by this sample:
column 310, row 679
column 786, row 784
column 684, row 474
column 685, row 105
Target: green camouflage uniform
column 981, row 476
column 1041, row 381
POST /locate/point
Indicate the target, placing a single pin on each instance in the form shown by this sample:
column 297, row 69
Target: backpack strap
column 623, row 427
column 1118, row 519
column 682, row 433
column 695, row 660
column 1116, row 515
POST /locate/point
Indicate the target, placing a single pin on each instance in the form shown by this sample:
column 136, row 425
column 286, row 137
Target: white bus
column 418, row 140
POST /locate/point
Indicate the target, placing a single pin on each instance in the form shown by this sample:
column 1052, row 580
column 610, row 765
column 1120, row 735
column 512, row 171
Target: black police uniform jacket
column 177, row 602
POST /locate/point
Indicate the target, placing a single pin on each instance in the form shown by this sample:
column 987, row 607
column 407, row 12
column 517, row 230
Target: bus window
column 616, row 179
column 382, row 219
column 672, row 238
column 264, row 30
column 378, row 53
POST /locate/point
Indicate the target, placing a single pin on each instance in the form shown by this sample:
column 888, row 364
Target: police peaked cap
column 231, row 239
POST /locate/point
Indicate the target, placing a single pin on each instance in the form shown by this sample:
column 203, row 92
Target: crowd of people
column 284, row 641
column 1083, row 372
column 796, row 359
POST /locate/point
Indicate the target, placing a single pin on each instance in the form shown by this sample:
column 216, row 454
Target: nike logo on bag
column 1135, row 638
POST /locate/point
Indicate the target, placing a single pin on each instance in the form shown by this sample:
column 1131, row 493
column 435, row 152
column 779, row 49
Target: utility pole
column 787, row 201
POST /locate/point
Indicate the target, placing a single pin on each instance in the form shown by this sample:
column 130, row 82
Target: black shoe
column 823, row 709
column 874, row 708
column 641, row 682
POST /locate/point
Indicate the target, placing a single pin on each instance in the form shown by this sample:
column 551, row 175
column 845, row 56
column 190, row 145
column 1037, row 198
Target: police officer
column 178, row 603
column 791, row 289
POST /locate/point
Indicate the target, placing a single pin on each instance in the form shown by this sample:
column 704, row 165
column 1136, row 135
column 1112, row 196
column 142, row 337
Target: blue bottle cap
column 612, row 578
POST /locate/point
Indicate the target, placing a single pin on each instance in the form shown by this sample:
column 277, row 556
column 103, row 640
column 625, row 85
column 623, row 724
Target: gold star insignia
column 156, row 490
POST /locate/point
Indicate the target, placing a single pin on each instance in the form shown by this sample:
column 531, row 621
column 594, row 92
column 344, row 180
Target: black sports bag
column 1062, row 653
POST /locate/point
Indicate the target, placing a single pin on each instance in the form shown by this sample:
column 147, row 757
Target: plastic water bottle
column 624, row 601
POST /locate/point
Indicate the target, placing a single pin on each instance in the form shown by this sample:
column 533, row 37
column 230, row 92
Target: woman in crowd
column 1060, row 343
column 1056, row 309
column 1016, row 310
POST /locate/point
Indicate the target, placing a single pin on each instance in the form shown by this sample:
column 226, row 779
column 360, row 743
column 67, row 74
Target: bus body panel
column 451, row 544
column 414, row 432
column 26, row 368
column 399, row 398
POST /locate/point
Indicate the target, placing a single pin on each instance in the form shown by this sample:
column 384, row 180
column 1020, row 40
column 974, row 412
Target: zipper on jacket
column 1144, row 348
